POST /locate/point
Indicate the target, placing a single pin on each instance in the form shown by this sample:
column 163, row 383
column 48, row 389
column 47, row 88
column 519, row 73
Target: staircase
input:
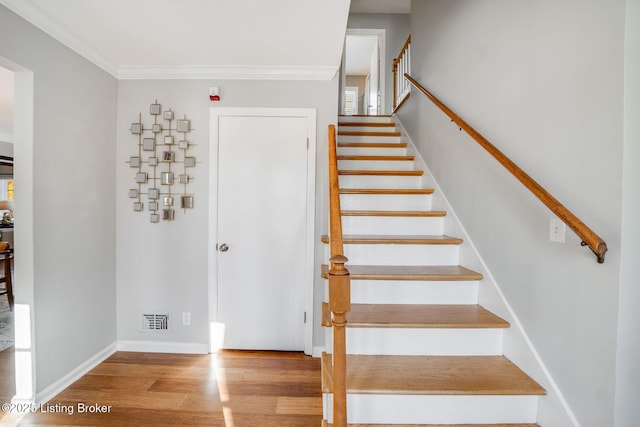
column 420, row 350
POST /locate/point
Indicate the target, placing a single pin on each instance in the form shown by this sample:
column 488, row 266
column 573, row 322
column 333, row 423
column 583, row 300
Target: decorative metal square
column 148, row 144
column 154, row 109
column 168, row 214
column 141, row 178
column 186, row 202
column 183, row 125
column 166, row 178
column 168, row 156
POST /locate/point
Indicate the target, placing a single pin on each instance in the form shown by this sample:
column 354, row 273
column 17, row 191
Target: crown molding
column 39, row 18
column 30, row 12
column 212, row 72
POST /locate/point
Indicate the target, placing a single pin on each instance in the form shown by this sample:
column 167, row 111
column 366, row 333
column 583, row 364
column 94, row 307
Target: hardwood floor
column 7, row 376
column 230, row 389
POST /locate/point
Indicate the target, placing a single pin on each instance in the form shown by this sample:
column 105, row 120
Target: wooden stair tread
column 380, row 172
column 368, row 133
column 394, row 213
column 462, row 316
column 386, row 191
column 397, row 239
column 372, row 145
column 379, row 158
column 432, row 375
column 367, row 124
column 325, row 424
column 404, row 272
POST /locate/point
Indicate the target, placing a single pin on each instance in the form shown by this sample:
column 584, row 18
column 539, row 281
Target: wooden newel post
column 339, row 304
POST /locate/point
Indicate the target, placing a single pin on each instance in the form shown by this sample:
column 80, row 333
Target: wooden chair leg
column 9, row 290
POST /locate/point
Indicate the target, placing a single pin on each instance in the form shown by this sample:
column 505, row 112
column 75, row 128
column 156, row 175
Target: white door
column 262, row 231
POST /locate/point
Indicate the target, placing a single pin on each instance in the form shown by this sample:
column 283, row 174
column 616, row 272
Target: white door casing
column 262, row 186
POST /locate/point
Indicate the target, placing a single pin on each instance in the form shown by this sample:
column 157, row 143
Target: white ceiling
column 358, row 52
column 198, row 38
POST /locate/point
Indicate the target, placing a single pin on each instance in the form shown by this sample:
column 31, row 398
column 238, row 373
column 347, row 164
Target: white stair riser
column 370, row 138
column 398, row 254
column 376, row 181
column 413, row 292
column 425, row 409
column 364, row 119
column 425, row 341
column 386, row 165
column 399, row 202
column 371, row 151
column 392, row 225
column 366, row 128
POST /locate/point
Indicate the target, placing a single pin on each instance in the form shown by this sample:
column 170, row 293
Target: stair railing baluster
column 401, row 66
column 339, row 289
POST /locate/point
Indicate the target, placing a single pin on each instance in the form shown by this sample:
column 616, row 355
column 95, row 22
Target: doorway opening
column 363, row 68
column 21, row 140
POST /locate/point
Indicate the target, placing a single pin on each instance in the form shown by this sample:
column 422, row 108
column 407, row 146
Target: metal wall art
column 161, row 165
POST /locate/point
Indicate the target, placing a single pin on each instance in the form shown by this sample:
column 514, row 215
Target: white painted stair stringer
column 553, row 409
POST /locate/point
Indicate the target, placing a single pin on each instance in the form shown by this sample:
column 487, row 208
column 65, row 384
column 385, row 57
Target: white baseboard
column 317, row 351
column 48, row 393
column 164, row 347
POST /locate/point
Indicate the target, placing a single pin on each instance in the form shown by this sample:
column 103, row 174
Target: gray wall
column 543, row 81
column 628, row 372
column 73, row 298
column 172, row 274
column 397, row 28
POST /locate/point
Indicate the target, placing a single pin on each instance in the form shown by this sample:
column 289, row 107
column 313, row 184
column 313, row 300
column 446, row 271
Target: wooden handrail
column 339, row 289
column 589, row 238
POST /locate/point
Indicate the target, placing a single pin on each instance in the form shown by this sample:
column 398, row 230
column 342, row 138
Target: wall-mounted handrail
column 589, row 238
column 339, row 289
column 401, row 66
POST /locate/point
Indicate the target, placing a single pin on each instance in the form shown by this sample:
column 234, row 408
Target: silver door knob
column 223, row 247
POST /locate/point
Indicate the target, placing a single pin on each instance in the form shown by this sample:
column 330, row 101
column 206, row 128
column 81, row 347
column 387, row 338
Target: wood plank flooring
column 230, row 389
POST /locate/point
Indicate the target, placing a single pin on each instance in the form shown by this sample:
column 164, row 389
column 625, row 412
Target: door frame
column 215, row 114
column 380, row 33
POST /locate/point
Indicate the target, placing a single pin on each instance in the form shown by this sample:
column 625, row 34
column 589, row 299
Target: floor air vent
column 155, row 322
